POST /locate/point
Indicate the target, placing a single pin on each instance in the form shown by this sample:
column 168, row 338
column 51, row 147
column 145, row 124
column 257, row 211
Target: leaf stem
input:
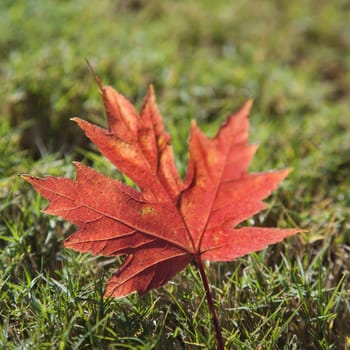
column 210, row 302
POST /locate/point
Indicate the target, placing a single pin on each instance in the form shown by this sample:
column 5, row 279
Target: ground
column 204, row 60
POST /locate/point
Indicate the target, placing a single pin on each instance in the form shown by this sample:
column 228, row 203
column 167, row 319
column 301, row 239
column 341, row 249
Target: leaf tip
column 151, row 91
column 150, row 95
column 24, row 176
column 250, row 102
column 247, row 106
column 33, row 180
column 286, row 171
column 78, row 121
column 97, row 78
column 28, row 178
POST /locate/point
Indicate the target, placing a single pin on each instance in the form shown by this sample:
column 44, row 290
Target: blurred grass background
column 205, row 59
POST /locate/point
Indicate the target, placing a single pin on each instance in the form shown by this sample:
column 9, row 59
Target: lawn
column 205, row 59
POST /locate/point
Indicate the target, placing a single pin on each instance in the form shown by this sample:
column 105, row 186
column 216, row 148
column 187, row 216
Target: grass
column 204, row 59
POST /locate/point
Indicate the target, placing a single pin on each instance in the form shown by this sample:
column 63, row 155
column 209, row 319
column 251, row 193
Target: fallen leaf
column 165, row 223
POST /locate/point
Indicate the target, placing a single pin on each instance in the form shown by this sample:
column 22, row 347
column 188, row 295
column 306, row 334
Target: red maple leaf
column 167, row 222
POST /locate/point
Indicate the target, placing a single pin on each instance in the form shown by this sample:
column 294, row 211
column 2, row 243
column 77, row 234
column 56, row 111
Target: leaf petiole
column 210, row 303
